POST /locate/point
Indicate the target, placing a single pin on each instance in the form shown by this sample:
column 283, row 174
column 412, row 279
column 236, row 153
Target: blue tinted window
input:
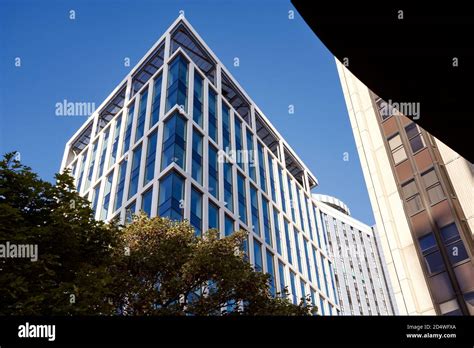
column 213, row 220
column 197, row 103
column 228, row 187
column 281, row 273
column 196, row 211
column 257, row 255
column 271, row 272
column 229, row 225
column 226, row 127
column 293, row 287
column 449, row 233
column 120, row 185
column 177, row 83
column 141, row 116
column 171, row 196
column 308, row 262
column 276, row 224
column 323, row 267
column 242, row 198
column 90, row 171
column 434, row 262
column 302, row 208
column 155, row 104
column 261, row 163
column 315, row 260
column 302, row 289
column 321, row 302
column 150, row 158
column 272, row 177
column 103, row 152
column 146, row 201
column 316, row 227
column 298, row 251
column 197, row 156
column 313, row 298
column 129, row 212
column 128, row 129
column 212, row 115
column 81, row 171
column 95, row 198
column 293, row 202
column 238, row 141
column 106, row 200
column 113, row 154
column 213, row 177
column 288, row 244
column 266, row 222
column 251, row 156
column 254, row 208
column 135, row 173
column 282, row 189
column 427, row 243
column 333, row 284
column 311, row 226
column 174, row 141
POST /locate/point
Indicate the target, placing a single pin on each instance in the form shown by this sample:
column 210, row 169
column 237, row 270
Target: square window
column 449, row 233
column 434, row 262
column 427, row 243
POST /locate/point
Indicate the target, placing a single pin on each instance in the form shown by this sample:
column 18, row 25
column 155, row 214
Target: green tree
column 150, row 267
column 75, row 252
column 167, row 270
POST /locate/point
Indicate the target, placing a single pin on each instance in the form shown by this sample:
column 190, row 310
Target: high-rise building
column 422, row 196
column 359, row 267
column 179, row 138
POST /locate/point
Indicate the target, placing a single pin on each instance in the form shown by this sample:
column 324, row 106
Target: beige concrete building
column 422, row 196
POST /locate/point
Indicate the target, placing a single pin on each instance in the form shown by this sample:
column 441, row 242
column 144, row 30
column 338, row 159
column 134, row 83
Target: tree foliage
column 150, row 267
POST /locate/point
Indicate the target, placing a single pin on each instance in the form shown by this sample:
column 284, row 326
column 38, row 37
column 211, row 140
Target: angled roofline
column 182, row 20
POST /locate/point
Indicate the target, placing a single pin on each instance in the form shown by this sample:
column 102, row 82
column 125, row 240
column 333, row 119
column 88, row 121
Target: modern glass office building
column 180, row 138
column 360, row 273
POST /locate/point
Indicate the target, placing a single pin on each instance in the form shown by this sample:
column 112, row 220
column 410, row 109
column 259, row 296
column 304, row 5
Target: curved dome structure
column 333, row 202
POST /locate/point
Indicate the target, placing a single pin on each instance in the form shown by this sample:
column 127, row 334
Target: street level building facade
column 179, row 138
column 422, row 195
column 359, row 266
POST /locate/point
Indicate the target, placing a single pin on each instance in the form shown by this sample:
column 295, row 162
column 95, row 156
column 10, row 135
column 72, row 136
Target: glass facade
column 174, row 141
column 135, row 173
column 156, row 102
column 171, row 196
column 103, row 153
column 146, row 202
column 128, row 129
column 141, row 116
column 180, row 161
column 196, row 211
column 197, row 156
column 198, row 99
column 212, row 115
column 213, row 219
column 177, row 90
column 228, row 186
column 213, row 178
column 150, row 158
column 242, row 195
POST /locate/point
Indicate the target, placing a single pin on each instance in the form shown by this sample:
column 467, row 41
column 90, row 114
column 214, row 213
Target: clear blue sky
column 282, row 62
